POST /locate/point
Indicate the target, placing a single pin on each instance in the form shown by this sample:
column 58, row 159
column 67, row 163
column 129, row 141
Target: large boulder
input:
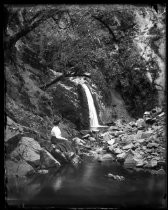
column 128, row 146
column 106, row 136
column 47, row 160
column 146, row 134
column 107, row 156
column 29, row 150
column 129, row 160
column 140, row 123
column 18, row 169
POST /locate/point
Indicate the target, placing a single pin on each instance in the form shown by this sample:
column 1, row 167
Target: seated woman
column 58, row 141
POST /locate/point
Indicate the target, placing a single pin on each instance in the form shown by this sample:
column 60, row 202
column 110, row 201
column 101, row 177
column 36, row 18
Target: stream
column 88, row 185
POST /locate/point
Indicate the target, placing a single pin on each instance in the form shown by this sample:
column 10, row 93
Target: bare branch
column 108, row 27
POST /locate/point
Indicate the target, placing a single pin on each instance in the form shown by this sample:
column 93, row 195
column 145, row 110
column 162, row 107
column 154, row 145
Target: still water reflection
column 89, row 185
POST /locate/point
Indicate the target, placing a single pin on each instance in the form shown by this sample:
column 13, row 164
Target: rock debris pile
column 140, row 144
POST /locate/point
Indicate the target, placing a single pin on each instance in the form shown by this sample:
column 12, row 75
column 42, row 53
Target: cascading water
column 92, row 110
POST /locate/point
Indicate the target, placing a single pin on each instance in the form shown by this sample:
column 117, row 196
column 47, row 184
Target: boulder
column 161, row 163
column 108, row 156
column 18, row 169
column 76, row 160
column 42, row 171
column 151, row 164
column 137, row 144
column 29, row 150
column 114, row 128
column 47, row 160
column 139, row 163
column 161, row 115
column 86, row 136
column 117, row 151
column 146, row 113
column 146, row 134
column 161, row 171
column 92, row 139
column 111, row 142
column 59, row 156
column 78, row 141
column 115, row 177
column 140, row 141
column 121, row 156
column 138, row 135
column 106, row 136
column 151, row 145
column 12, row 142
column 140, row 123
column 128, row 146
column 129, row 160
column 133, row 124
column 150, row 121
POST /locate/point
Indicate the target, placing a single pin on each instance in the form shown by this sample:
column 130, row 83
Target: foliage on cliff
column 98, row 39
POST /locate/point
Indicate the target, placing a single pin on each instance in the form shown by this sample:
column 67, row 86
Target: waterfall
column 92, row 110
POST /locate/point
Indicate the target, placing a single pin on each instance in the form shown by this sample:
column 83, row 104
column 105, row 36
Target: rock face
column 47, row 160
column 29, row 150
column 18, row 169
column 27, row 158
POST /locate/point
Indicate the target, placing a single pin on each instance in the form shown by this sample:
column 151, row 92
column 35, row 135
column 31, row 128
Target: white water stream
column 92, row 110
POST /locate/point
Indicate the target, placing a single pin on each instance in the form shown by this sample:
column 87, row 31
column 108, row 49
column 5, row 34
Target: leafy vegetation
column 99, row 40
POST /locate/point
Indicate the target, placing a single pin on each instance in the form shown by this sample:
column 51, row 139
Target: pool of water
column 88, row 185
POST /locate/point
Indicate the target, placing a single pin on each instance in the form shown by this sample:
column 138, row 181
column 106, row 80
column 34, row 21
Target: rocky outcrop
column 28, row 158
column 29, row 150
column 47, row 160
column 137, row 144
column 18, row 169
column 141, row 144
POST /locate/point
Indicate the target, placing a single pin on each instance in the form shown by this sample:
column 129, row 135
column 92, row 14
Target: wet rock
column 161, row 172
column 44, row 171
column 18, row 169
column 106, row 157
column 76, row 160
column 78, row 141
column 116, row 177
column 47, row 160
column 129, row 161
column 161, row 163
column 151, row 164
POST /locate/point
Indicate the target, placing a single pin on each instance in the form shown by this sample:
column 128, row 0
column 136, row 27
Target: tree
column 24, row 20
